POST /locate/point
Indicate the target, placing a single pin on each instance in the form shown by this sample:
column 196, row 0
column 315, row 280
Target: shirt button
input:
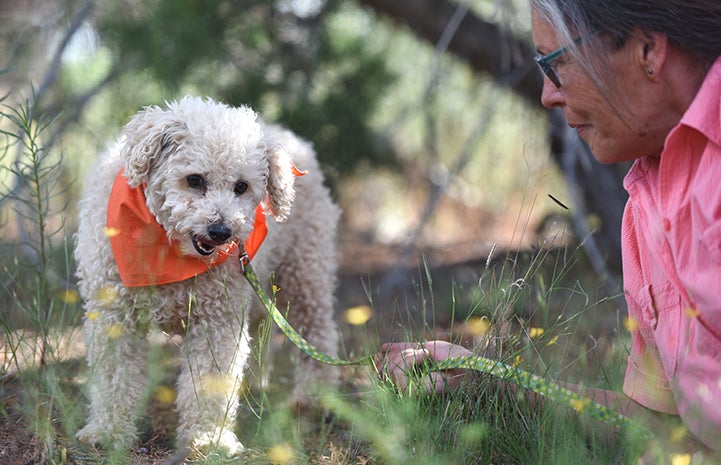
column 666, row 224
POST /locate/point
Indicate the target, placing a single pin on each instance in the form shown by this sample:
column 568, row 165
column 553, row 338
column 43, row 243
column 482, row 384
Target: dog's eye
column 196, row 181
column 240, row 187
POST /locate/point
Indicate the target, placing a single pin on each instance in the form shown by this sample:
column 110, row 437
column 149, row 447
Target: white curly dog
column 160, row 220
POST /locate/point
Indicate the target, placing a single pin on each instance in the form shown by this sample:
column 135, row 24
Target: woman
column 641, row 80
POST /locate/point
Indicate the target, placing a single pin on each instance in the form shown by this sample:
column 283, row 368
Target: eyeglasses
column 544, row 61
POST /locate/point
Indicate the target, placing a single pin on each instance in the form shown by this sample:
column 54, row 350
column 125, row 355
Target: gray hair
column 693, row 26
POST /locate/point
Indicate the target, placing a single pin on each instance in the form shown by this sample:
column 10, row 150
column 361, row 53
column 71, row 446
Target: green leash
column 520, row 377
column 283, row 324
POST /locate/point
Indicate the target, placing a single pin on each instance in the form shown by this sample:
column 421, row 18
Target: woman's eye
column 195, row 181
column 560, row 61
column 240, row 187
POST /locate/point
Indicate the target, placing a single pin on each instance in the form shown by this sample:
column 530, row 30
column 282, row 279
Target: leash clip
column 243, row 259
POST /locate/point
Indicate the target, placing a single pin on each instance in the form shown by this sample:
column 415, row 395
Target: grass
column 488, row 422
column 541, row 310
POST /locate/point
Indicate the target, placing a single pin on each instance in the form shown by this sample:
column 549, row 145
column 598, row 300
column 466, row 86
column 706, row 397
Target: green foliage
column 294, row 70
column 167, row 37
column 541, row 317
column 38, row 308
column 37, row 270
column 480, row 424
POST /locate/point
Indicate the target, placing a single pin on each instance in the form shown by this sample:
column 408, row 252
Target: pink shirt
column 672, row 270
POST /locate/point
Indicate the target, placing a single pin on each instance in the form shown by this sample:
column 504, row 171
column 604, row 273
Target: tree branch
column 78, row 19
column 484, row 46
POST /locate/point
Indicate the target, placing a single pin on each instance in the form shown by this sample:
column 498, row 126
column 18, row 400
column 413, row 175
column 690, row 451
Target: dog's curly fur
column 159, row 148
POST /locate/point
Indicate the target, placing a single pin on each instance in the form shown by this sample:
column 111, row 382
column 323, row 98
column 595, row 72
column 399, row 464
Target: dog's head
column 205, row 168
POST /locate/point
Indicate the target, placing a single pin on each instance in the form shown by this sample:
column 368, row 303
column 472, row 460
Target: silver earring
column 649, row 71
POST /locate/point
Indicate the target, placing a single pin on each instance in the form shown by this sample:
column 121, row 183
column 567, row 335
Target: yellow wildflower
column 114, row 331
column 165, row 394
column 215, row 384
column 680, row 459
column 517, row 361
column 106, row 295
column 630, row 324
column 478, row 325
column 535, row 332
column 92, row 316
column 280, row 454
column 678, row 433
column 110, row 232
column 358, row 315
column 552, row 341
column 70, row 296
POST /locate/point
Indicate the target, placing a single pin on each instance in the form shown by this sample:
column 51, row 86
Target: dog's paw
column 89, row 435
column 223, row 442
column 95, row 435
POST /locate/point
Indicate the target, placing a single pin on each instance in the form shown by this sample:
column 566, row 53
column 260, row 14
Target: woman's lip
column 580, row 128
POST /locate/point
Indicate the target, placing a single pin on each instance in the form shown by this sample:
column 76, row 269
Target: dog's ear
column 281, row 182
column 148, row 137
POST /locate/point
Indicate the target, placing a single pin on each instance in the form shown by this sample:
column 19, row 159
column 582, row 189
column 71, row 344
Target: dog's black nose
column 219, row 232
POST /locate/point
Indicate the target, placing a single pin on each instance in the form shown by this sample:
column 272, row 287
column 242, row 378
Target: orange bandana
column 144, row 255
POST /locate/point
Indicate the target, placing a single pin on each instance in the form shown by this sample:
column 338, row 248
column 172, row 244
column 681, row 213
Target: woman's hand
column 395, row 361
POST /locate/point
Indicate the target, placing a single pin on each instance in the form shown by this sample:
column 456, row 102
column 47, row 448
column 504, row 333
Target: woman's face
column 615, row 131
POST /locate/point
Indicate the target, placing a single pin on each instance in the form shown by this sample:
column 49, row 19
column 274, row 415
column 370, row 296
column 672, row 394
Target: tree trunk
column 595, row 189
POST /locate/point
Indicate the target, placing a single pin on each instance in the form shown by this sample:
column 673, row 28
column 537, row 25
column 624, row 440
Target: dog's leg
column 215, row 354
column 117, row 356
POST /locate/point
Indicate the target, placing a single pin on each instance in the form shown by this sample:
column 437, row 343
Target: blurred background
column 464, row 201
column 425, row 115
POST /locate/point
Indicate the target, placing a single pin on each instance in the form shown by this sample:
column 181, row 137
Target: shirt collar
column 704, row 113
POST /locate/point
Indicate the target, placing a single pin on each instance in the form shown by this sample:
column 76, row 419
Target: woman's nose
column 551, row 96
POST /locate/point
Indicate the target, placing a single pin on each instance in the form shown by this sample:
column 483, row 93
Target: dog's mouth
column 218, row 234
column 204, row 246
